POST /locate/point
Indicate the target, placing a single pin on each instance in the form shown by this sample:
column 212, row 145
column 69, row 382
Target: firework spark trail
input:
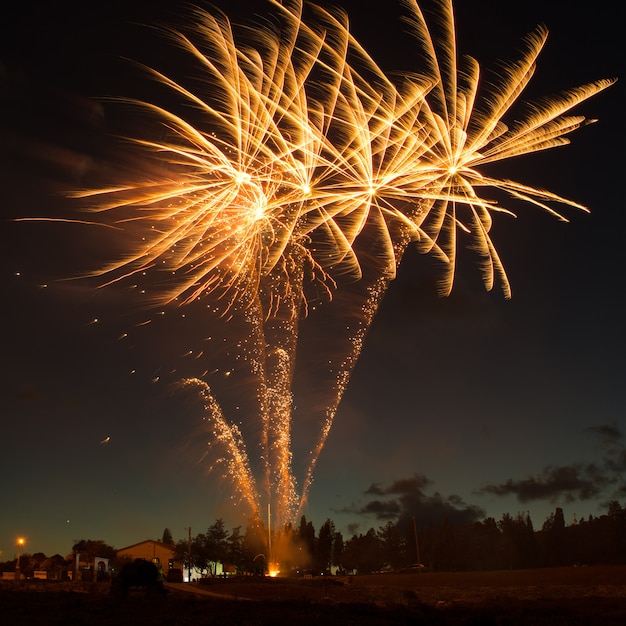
column 311, row 167
column 342, row 377
column 273, row 357
column 451, row 149
column 229, row 437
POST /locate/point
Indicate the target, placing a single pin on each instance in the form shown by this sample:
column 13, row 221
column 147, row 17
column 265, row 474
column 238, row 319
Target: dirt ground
column 434, row 588
column 548, row 597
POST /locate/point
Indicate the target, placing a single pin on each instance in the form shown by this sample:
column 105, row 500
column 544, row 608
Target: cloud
column 415, row 484
column 577, row 481
column 407, row 498
column 382, row 510
column 608, row 433
column 616, row 461
column 567, row 483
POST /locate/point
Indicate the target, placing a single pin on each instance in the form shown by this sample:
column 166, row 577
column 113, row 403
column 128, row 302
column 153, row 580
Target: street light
column 20, row 543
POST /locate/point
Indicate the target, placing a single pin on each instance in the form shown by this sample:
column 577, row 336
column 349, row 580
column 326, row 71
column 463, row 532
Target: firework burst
column 299, row 166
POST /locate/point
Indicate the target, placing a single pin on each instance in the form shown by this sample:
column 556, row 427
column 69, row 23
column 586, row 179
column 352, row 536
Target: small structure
column 85, row 569
column 101, row 568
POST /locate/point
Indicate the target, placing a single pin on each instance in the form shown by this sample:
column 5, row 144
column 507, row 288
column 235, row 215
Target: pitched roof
column 147, row 541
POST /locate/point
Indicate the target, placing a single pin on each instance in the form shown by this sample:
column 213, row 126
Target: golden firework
column 294, row 147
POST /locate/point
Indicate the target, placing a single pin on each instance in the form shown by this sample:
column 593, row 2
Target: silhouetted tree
column 167, row 537
column 287, row 550
column 55, row 562
column 371, row 553
column 234, row 549
column 485, row 545
column 324, row 546
column 617, row 531
column 89, row 549
column 36, row 561
column 255, row 546
column 362, row 553
column 182, row 553
column 529, row 556
column 444, row 552
column 200, row 557
column 518, row 543
column 306, row 537
column 338, row 550
column 392, row 546
column 553, row 530
column 350, row 555
column 215, row 545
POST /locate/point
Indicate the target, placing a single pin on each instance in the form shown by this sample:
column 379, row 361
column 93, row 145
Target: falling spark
column 302, row 167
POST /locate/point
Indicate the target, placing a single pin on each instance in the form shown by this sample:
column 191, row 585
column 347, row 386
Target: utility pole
column 269, row 539
column 417, row 545
column 20, row 543
column 188, row 529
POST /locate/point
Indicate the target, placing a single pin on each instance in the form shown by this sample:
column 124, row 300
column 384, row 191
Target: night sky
column 467, row 407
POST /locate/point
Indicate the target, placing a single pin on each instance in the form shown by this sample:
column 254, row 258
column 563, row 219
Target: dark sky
column 467, row 406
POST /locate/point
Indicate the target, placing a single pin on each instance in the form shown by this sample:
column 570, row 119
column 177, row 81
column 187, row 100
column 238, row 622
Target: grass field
column 563, row 596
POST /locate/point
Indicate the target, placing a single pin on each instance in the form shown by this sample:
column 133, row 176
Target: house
column 163, row 555
column 155, row 551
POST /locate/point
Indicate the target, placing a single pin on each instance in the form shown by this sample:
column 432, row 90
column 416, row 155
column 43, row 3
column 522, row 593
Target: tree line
column 509, row 543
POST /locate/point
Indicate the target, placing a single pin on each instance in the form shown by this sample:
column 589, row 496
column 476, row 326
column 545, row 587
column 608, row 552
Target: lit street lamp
column 20, row 543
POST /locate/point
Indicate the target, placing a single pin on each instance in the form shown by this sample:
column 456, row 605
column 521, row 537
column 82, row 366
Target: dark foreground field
column 563, row 596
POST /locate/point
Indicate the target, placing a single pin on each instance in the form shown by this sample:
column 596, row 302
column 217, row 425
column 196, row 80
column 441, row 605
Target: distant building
column 84, row 567
column 163, row 555
column 151, row 551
